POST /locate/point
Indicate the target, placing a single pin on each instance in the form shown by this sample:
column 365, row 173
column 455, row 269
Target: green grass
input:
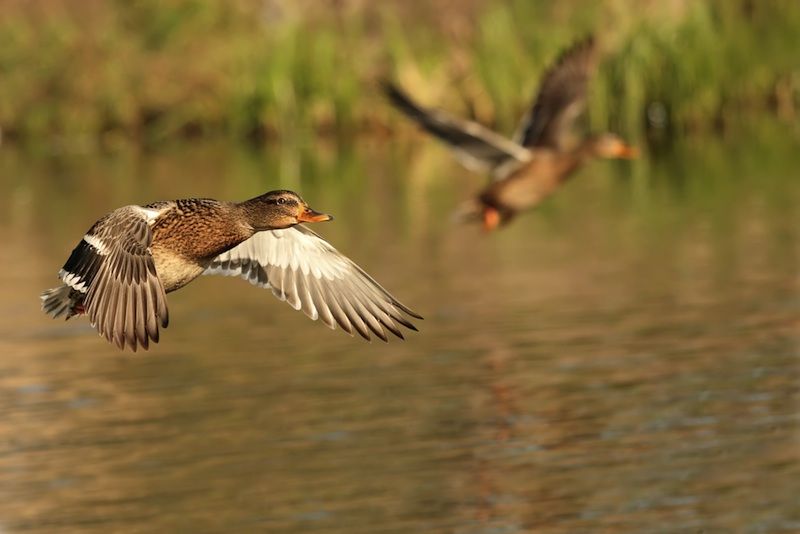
column 148, row 70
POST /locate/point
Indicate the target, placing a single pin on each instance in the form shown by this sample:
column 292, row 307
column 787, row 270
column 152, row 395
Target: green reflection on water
column 623, row 359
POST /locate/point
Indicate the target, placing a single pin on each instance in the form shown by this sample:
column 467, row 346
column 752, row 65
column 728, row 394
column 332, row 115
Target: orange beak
column 627, row 152
column 309, row 215
column 491, row 218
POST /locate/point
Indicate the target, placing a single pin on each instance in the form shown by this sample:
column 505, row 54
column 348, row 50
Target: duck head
column 280, row 209
column 612, row 147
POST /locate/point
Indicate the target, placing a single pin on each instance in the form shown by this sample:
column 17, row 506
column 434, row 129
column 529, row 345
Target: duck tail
column 62, row 300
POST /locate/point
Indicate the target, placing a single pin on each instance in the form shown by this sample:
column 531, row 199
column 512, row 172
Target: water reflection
column 624, row 359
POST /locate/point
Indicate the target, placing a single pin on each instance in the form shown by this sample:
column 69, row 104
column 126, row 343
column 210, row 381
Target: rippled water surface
column 625, row 359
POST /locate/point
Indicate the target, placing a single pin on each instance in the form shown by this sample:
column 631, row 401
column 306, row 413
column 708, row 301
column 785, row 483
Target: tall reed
column 150, row 70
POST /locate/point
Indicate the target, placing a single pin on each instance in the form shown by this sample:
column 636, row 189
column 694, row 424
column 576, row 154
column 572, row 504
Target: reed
column 151, row 70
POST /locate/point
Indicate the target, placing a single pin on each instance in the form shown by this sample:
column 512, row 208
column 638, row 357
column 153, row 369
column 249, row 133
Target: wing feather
column 125, row 300
column 310, row 275
column 323, row 308
column 475, row 146
column 561, row 98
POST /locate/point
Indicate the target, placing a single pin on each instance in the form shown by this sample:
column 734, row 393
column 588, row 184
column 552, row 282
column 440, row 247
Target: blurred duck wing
column 561, row 98
column 475, row 146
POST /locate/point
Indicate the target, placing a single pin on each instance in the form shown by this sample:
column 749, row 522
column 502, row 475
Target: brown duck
column 542, row 154
column 122, row 269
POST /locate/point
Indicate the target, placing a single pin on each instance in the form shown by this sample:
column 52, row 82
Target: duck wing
column 307, row 272
column 114, row 268
column 475, row 146
column 561, row 98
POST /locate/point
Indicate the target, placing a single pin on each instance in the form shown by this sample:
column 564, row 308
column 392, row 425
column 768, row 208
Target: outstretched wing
column 307, row 272
column 113, row 267
column 561, row 98
column 475, row 146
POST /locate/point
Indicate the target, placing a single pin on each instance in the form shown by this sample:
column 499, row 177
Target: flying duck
column 122, row 269
column 542, row 155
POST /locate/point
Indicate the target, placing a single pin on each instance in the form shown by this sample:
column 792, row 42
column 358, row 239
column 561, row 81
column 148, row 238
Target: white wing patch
column 97, row 244
column 149, row 214
column 72, row 280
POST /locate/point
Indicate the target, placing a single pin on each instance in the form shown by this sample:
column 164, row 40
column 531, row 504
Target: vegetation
column 80, row 71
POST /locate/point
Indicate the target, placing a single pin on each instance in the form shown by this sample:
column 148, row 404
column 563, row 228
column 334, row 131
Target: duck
column 120, row 272
column 542, row 154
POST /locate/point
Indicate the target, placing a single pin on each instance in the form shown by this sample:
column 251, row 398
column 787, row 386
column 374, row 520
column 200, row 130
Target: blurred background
column 94, row 71
column 625, row 358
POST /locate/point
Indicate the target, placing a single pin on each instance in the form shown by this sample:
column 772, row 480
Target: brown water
column 625, row 359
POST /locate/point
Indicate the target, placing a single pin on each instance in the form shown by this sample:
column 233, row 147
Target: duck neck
column 247, row 212
column 586, row 150
column 258, row 214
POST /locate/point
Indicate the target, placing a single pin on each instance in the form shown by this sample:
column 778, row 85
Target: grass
column 150, row 70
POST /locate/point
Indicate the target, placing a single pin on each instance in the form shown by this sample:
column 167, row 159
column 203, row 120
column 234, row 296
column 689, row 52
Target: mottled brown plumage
column 120, row 272
column 541, row 156
column 216, row 224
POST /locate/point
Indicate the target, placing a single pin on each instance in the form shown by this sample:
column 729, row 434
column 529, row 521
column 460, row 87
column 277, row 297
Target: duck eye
column 281, row 201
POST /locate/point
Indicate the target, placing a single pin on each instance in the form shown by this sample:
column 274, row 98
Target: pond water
column 624, row 359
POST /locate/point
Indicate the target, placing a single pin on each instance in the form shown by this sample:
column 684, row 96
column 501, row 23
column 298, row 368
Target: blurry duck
column 122, row 269
column 542, row 154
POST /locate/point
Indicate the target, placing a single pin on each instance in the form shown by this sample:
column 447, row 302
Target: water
column 623, row 360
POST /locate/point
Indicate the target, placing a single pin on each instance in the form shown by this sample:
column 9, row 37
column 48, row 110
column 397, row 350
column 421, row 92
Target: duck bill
column 627, row 152
column 491, row 219
column 311, row 216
